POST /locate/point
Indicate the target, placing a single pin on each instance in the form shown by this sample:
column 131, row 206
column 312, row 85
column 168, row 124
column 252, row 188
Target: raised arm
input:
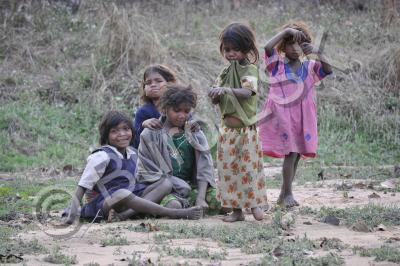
column 308, row 48
column 297, row 36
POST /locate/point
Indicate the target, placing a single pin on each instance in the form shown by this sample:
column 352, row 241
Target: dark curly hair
column 176, row 95
column 241, row 37
column 297, row 25
column 164, row 71
column 111, row 120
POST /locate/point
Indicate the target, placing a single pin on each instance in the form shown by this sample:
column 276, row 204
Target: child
column 241, row 182
column 110, row 171
column 171, row 151
column 291, row 128
column 155, row 78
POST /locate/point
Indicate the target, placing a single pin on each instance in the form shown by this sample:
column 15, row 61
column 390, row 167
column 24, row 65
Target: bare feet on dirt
column 287, row 201
column 257, row 213
column 194, row 213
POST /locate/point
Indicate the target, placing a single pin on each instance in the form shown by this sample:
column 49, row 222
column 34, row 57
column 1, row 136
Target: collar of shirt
column 129, row 151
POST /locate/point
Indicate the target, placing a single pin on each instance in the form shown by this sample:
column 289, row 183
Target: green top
column 182, row 157
column 239, row 76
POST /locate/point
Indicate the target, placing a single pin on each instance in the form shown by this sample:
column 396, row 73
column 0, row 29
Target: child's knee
column 118, row 196
column 166, row 184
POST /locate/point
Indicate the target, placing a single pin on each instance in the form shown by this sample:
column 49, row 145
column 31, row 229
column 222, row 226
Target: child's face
column 232, row 53
column 120, row 136
column 293, row 50
column 178, row 115
column 154, row 85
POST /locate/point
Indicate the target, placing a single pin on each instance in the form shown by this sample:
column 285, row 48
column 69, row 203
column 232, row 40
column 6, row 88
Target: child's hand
column 307, row 48
column 72, row 214
column 152, row 123
column 201, row 202
column 194, row 126
column 216, row 92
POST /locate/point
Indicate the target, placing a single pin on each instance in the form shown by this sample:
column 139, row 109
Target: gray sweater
column 154, row 160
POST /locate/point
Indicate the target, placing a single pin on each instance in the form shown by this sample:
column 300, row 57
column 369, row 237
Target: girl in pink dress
column 288, row 125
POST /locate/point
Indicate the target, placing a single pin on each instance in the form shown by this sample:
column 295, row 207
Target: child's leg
column 122, row 199
column 201, row 195
column 158, row 190
column 235, row 216
column 155, row 193
column 288, row 172
column 258, row 213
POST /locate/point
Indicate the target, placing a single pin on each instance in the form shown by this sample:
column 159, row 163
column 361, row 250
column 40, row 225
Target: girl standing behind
column 290, row 128
column 155, row 79
column 241, row 182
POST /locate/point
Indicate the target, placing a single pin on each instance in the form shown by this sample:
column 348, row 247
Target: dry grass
column 96, row 57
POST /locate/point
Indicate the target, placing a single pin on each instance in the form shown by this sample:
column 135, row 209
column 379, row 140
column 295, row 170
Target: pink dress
column 288, row 122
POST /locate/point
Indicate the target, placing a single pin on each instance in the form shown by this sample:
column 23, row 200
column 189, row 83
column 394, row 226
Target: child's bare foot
column 113, row 216
column 194, row 213
column 257, row 213
column 287, row 201
column 236, row 216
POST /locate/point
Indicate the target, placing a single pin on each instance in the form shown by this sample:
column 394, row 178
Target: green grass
column 57, row 257
column 114, row 241
column 330, row 259
column 372, row 215
column 384, row 253
column 236, row 236
column 196, row 253
column 45, row 135
column 17, row 196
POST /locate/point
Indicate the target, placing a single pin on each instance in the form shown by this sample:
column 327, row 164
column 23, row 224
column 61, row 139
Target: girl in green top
column 241, row 182
column 179, row 153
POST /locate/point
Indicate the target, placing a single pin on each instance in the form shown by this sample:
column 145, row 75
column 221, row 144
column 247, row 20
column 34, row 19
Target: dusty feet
column 257, row 213
column 113, row 216
column 287, row 201
column 194, row 213
column 236, row 216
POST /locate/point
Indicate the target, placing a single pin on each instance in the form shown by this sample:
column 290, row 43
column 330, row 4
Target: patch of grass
column 196, row 253
column 233, row 236
column 57, row 257
column 332, row 243
column 295, row 252
column 91, row 264
column 61, row 137
column 371, row 214
column 17, row 195
column 114, row 241
column 384, row 253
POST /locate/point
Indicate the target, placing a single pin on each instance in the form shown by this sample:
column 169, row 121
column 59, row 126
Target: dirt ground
column 86, row 244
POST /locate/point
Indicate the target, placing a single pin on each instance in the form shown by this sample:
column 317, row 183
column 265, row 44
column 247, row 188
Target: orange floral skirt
column 241, row 180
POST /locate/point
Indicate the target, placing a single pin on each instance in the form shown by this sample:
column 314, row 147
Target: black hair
column 242, row 38
column 164, row 71
column 176, row 95
column 111, row 120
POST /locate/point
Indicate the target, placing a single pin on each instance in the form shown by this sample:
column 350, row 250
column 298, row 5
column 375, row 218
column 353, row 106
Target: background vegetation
column 61, row 71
